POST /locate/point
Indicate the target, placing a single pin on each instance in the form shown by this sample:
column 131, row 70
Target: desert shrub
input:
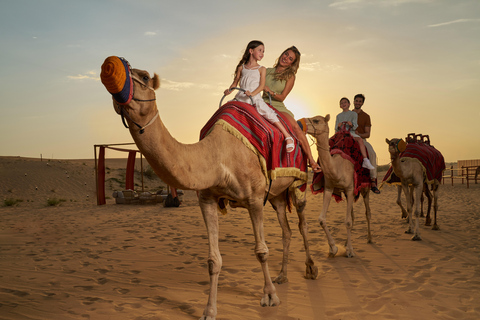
column 149, row 173
column 9, row 202
column 54, row 202
column 384, row 167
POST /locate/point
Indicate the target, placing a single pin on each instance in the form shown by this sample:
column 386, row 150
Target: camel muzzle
column 117, row 79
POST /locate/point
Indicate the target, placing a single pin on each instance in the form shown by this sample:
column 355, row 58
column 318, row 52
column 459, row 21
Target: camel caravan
column 240, row 161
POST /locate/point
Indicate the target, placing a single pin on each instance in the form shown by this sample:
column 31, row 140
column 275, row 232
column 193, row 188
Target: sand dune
column 78, row 260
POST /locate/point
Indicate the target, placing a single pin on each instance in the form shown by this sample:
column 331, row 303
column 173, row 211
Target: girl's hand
column 248, row 93
column 227, row 92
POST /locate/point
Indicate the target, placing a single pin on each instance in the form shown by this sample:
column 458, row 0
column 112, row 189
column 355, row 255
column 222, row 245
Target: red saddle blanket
column 259, row 135
column 430, row 158
column 344, row 144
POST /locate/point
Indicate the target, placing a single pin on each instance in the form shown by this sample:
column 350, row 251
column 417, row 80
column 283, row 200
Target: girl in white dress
column 251, row 76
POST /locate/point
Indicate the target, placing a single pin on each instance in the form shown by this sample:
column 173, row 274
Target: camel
column 413, row 179
column 220, row 167
column 339, row 174
column 426, row 193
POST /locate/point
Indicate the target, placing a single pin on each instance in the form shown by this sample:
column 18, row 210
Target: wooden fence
column 466, row 170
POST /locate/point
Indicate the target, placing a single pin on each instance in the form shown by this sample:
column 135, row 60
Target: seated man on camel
column 347, row 120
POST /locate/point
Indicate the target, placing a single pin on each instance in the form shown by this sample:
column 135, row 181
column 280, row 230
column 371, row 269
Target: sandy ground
column 77, row 260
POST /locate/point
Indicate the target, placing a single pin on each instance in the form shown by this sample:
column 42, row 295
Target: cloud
column 452, row 22
column 90, row 75
column 150, row 33
column 175, row 86
column 316, row 66
column 351, row 4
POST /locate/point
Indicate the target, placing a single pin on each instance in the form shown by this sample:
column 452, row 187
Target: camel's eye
column 316, row 121
column 146, row 78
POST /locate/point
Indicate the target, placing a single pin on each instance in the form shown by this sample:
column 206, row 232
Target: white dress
column 250, row 81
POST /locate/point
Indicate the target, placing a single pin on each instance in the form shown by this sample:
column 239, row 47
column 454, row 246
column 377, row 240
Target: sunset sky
column 416, row 61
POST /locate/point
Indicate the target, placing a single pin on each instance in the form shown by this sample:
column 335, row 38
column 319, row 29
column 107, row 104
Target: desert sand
column 77, row 260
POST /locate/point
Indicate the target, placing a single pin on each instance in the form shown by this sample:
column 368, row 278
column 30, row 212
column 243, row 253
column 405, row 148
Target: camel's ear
column 156, row 81
column 387, row 141
column 327, row 117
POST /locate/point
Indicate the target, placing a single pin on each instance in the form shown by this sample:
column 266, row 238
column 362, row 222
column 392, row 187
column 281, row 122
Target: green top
column 276, row 86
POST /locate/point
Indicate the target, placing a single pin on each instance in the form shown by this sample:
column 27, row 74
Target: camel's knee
column 348, row 224
column 323, row 222
column 214, row 267
column 417, row 213
column 262, row 257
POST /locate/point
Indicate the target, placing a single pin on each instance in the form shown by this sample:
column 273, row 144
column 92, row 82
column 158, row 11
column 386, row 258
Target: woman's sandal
column 375, row 190
column 290, row 146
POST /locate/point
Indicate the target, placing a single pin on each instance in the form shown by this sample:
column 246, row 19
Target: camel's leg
column 422, row 198
column 435, row 205
column 311, row 271
column 399, row 202
column 209, row 212
column 368, row 213
column 418, row 194
column 279, row 205
column 322, row 219
column 349, row 224
column 428, row 194
column 408, row 196
column 255, row 209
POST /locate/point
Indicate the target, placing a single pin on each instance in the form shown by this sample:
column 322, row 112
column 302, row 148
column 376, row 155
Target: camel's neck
column 397, row 168
column 179, row 165
column 324, row 156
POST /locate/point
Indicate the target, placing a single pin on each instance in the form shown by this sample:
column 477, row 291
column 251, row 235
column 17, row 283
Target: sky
column 416, row 61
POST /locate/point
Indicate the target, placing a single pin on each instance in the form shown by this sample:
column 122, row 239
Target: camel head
column 315, row 126
column 132, row 90
column 396, row 145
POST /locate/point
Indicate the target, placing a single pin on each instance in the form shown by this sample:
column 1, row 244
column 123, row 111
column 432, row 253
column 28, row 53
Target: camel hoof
column 416, row 238
column 280, row 279
column 350, row 254
column 270, row 300
column 333, row 252
column 311, row 272
column 435, row 227
column 207, row 318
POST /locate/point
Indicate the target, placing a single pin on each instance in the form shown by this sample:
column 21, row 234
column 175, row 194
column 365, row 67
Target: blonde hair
column 291, row 70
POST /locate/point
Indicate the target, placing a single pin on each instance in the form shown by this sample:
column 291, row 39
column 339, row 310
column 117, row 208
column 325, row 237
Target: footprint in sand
column 122, row 291
column 101, row 271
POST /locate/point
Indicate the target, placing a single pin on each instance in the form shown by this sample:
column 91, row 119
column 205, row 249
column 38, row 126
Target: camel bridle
column 124, row 114
column 315, row 133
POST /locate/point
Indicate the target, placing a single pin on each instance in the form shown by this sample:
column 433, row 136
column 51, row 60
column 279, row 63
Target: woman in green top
column 279, row 82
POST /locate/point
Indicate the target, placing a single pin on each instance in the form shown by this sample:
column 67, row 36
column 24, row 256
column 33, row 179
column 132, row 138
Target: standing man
column 363, row 130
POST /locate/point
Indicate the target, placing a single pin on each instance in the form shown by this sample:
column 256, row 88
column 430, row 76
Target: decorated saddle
column 431, row 159
column 244, row 122
column 343, row 144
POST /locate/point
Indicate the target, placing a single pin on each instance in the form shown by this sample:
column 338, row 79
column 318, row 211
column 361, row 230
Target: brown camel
column 413, row 179
column 219, row 167
column 339, row 174
column 426, row 193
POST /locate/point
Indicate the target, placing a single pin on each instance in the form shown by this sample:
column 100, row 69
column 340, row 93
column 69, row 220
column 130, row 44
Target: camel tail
column 288, row 200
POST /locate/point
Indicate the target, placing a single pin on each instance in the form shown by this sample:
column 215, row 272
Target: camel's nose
column 113, row 74
column 115, row 77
